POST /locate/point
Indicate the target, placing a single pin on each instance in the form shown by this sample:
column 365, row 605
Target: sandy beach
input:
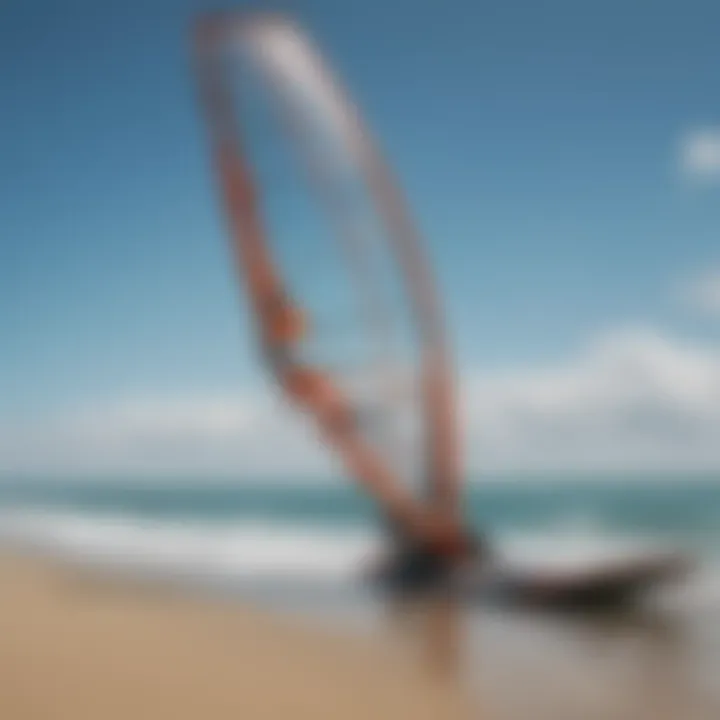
column 78, row 645
column 73, row 649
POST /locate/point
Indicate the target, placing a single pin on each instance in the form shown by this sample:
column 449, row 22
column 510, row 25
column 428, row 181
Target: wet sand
column 658, row 662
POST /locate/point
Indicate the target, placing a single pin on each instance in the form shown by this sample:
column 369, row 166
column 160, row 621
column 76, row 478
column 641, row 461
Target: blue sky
column 539, row 143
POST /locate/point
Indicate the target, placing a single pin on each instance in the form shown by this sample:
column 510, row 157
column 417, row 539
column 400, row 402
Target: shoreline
column 75, row 646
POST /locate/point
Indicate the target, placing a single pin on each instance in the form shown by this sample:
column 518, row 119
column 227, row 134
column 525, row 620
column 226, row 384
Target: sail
column 342, row 295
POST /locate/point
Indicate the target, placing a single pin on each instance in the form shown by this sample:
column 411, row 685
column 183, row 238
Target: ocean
column 313, row 539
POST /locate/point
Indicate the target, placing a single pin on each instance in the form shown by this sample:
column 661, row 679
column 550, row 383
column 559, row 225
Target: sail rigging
column 364, row 414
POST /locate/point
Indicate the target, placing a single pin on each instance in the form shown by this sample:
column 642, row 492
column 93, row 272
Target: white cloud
column 700, row 153
column 703, row 293
column 206, row 436
column 633, row 399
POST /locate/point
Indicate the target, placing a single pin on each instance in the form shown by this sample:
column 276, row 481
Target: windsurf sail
column 376, row 376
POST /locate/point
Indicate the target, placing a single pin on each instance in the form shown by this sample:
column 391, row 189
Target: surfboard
column 588, row 581
column 595, row 585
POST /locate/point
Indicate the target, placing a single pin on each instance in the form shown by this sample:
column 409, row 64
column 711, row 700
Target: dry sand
column 72, row 650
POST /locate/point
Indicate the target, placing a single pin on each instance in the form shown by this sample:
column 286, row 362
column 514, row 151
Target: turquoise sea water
column 669, row 507
column 282, row 535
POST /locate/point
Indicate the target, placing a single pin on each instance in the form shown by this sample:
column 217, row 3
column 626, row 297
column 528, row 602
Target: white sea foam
column 269, row 551
column 257, row 549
